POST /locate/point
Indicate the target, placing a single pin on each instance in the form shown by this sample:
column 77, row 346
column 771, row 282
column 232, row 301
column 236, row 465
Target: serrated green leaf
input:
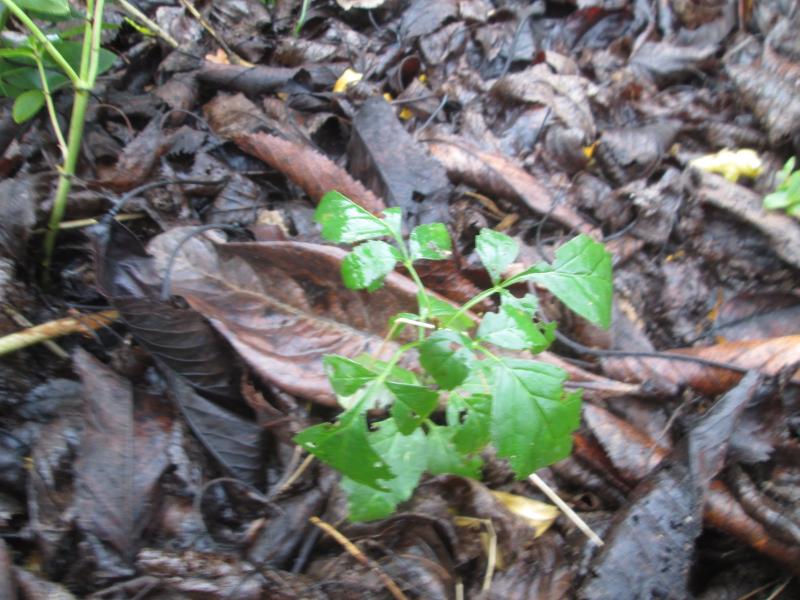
column 346, row 376
column 512, row 327
column 344, row 445
column 27, row 105
column 45, row 7
column 496, row 251
column 414, row 403
column 532, row 417
column 443, row 312
column 580, row 277
column 470, row 418
column 406, row 456
column 431, row 241
column 444, row 457
column 368, row 265
column 444, row 356
column 345, row 222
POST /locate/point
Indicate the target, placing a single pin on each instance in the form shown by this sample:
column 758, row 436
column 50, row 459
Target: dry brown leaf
column 497, row 175
column 768, row 356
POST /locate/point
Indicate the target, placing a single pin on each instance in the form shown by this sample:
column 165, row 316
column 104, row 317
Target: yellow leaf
column 731, row 164
column 405, row 114
column 539, row 515
column 219, row 57
column 346, row 79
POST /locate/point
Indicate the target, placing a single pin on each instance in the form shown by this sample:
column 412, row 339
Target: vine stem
column 51, row 109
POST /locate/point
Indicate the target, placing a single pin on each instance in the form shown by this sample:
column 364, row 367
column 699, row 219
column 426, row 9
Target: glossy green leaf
column 24, row 55
column 344, row 445
column 345, row 222
column 470, row 418
column 532, row 417
column 580, row 277
column 27, row 105
column 414, row 403
column 406, row 456
column 496, row 251
column 72, row 53
column 45, row 7
column 431, row 241
column 444, row 356
column 346, row 376
column 444, row 457
column 368, row 265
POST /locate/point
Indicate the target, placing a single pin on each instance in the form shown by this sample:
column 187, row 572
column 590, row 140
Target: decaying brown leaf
column 282, row 305
column 768, row 356
column 499, row 176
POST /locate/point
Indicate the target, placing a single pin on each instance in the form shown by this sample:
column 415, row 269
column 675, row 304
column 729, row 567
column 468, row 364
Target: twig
column 353, row 550
column 491, row 550
column 20, row 320
column 232, row 56
column 295, row 475
column 81, row 223
column 53, row 329
column 564, row 507
column 138, row 15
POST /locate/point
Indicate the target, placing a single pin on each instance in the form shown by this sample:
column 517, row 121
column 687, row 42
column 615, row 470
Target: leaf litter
column 172, row 475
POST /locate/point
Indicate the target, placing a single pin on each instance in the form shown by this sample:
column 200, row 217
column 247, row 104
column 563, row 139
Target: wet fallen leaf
column 767, row 356
column 122, row 456
column 499, row 176
column 759, row 315
column 282, row 305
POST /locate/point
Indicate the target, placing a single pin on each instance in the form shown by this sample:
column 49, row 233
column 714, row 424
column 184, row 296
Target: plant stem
column 90, row 56
column 42, row 39
column 477, row 299
column 51, row 109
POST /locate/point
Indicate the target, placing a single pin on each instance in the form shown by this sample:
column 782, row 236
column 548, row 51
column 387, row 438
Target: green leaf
column 444, row 356
column 414, row 404
column 532, row 417
column 496, row 251
column 787, row 169
column 393, row 217
column 345, row 222
column 72, row 53
column 368, row 265
column 444, row 457
column 443, row 312
column 344, row 445
column 27, row 105
column 406, row 456
column 346, row 376
column 470, row 418
column 580, row 277
column 430, row 241
column 25, row 55
column 46, row 7
column 512, row 327
column 776, row 200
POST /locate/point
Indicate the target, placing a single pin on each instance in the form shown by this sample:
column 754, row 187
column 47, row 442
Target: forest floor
column 149, row 454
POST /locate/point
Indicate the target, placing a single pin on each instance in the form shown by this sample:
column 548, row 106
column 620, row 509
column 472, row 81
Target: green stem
column 472, row 302
column 90, row 54
column 42, row 39
column 51, row 109
column 375, row 384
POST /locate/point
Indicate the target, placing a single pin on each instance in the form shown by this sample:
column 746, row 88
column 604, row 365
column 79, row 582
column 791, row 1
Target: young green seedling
column 787, row 192
column 492, row 396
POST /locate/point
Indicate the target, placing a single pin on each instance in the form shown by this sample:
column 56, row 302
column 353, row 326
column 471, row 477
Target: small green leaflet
column 346, row 376
column 469, row 417
column 27, row 105
column 344, row 445
column 444, row 457
column 430, row 241
column 580, row 277
column 512, row 327
column 368, row 265
column 46, row 7
column 496, row 251
column 406, row 456
column 443, row 311
column 447, row 365
column 414, row 404
column 532, row 417
column 345, row 222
